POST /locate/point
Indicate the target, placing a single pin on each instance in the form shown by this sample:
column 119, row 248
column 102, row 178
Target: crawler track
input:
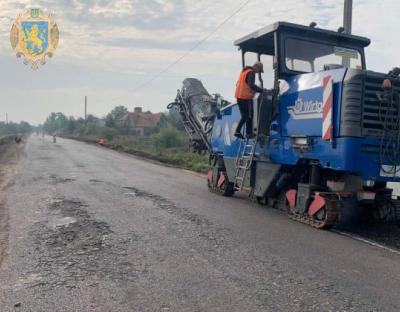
column 332, row 215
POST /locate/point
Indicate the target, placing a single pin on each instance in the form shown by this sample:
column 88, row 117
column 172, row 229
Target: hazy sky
column 108, row 47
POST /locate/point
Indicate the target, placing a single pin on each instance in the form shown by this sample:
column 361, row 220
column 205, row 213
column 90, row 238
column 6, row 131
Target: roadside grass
column 5, row 139
column 179, row 155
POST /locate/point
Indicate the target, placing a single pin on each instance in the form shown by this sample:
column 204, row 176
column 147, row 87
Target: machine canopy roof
column 262, row 40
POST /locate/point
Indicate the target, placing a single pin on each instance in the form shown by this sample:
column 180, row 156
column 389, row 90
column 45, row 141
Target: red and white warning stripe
column 327, row 108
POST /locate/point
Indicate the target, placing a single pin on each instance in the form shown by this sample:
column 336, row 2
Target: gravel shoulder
column 9, row 156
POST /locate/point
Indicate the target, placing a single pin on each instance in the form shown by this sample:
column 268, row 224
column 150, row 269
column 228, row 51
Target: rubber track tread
column 332, row 215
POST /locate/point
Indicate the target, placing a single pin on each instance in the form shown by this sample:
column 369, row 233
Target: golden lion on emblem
column 34, row 39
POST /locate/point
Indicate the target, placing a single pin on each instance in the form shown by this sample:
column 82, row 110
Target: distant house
column 143, row 123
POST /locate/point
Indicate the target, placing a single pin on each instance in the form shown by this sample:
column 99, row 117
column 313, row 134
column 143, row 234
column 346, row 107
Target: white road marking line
column 366, row 241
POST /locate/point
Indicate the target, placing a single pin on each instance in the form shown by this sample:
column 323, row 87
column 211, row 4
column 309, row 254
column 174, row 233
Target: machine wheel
column 263, row 201
column 221, row 185
column 384, row 211
column 210, row 183
column 226, row 188
column 321, row 215
column 326, row 217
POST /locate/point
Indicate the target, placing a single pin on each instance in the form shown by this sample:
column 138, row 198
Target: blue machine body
column 326, row 131
column 343, row 153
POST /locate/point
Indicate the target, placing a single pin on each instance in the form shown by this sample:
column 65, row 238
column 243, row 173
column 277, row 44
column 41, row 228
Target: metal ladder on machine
column 244, row 161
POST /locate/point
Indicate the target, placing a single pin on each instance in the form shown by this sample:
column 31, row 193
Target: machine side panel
column 217, row 139
column 223, row 140
column 356, row 155
column 265, row 173
column 301, row 105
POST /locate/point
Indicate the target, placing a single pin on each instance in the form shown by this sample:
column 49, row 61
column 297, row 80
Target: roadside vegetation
column 12, row 128
column 167, row 143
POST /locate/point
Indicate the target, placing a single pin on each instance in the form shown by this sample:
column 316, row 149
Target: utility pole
column 7, row 118
column 347, row 16
column 85, row 107
column 347, row 21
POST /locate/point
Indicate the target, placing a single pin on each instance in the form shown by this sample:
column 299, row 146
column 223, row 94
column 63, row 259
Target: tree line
column 170, row 128
column 12, row 128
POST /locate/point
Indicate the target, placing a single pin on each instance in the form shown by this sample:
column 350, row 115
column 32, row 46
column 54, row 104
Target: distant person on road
column 246, row 88
column 18, row 139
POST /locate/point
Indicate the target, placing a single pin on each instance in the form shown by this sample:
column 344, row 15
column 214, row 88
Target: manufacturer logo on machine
column 305, row 109
column 34, row 36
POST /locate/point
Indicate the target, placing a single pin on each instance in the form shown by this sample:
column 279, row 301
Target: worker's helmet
column 259, row 65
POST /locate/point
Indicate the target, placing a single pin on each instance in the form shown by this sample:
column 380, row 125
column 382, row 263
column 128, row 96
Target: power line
column 194, row 47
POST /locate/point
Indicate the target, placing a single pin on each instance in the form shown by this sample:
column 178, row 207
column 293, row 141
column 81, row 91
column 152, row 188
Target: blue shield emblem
column 35, row 37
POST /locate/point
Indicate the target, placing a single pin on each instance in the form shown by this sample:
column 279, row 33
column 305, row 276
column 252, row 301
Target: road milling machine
column 326, row 132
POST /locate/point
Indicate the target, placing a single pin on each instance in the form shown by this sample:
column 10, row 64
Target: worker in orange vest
column 245, row 91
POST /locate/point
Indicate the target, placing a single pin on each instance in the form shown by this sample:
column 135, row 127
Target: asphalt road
column 90, row 229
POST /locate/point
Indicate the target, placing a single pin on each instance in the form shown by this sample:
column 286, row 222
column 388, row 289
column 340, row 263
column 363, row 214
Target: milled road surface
column 90, row 229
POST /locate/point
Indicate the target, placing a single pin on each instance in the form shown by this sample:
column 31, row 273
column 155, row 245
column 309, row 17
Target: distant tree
column 116, row 114
column 56, row 122
column 24, row 127
column 72, row 124
column 15, row 128
column 92, row 126
column 92, row 119
column 173, row 119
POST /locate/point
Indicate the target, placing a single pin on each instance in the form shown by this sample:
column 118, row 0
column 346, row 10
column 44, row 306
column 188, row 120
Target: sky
column 109, row 47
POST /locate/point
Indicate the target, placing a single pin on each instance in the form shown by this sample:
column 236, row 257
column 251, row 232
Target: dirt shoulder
column 9, row 156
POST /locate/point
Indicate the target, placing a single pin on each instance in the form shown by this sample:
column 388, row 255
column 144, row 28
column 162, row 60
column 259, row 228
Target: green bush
column 168, row 138
column 109, row 133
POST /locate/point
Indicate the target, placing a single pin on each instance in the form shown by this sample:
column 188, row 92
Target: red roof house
column 143, row 123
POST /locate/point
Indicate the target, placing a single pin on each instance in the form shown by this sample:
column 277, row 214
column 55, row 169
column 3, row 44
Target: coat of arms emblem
column 34, row 36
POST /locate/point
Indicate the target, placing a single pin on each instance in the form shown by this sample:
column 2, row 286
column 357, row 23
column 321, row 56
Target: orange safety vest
column 243, row 90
